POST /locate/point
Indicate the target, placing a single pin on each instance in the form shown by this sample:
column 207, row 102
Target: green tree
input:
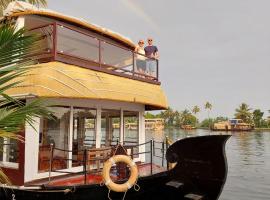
column 257, row 116
column 195, row 110
column 208, row 106
column 4, row 4
column 244, row 113
column 14, row 48
column 187, row 118
column 168, row 116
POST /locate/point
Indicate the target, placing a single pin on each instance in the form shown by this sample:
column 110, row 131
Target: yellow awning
column 59, row 80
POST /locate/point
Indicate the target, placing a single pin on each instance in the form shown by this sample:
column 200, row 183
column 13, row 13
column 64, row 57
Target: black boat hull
column 201, row 170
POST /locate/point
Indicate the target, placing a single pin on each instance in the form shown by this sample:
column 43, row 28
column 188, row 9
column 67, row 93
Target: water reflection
column 248, row 155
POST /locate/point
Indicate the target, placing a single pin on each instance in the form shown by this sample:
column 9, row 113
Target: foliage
column 257, row 116
column 196, row 110
column 244, row 113
column 15, row 46
column 186, row 118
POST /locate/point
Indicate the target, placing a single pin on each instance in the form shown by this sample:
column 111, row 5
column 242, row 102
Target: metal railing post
column 51, row 160
column 54, row 41
column 157, row 70
column 84, row 164
column 163, row 153
column 154, row 151
column 151, row 156
column 167, row 145
column 133, row 63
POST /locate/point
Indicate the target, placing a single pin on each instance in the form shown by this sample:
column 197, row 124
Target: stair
column 175, row 184
column 192, row 196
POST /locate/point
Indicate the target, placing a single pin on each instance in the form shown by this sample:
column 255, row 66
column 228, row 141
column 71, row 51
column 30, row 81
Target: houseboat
column 156, row 124
column 89, row 76
column 187, row 127
column 232, row 125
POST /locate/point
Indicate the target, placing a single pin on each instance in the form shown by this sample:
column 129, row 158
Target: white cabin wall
column 32, row 136
column 31, row 150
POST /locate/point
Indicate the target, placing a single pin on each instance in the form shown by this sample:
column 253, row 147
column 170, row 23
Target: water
column 248, row 156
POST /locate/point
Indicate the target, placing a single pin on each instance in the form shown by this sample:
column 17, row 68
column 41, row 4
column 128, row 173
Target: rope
column 109, row 195
column 136, row 187
column 124, row 195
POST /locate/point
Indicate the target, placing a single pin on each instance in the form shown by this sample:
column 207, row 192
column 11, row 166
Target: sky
column 216, row 51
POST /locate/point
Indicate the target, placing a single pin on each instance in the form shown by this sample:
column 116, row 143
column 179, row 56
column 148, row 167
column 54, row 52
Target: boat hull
column 201, row 170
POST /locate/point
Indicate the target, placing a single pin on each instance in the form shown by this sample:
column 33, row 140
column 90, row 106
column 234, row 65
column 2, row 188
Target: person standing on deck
column 140, row 58
column 151, row 52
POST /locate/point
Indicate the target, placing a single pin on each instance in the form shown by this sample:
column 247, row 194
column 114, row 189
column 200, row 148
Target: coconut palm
column 244, row 113
column 208, row 106
column 195, row 110
column 14, row 59
column 4, row 3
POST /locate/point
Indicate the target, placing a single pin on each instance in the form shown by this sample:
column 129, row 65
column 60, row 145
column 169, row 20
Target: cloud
column 135, row 8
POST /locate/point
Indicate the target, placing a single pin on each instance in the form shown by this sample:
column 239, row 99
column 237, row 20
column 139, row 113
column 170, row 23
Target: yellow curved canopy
column 59, row 80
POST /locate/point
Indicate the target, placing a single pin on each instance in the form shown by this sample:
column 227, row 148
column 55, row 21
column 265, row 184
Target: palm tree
column 208, row 106
column 15, row 46
column 4, row 4
column 195, row 110
column 244, row 113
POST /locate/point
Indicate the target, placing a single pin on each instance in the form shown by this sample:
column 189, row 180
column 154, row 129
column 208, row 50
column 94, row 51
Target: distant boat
column 187, row 127
column 154, row 124
column 232, row 125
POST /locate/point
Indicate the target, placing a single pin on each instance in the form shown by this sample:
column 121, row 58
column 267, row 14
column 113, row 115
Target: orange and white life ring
column 133, row 173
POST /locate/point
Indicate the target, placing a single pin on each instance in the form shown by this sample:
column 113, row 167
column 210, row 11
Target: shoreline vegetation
column 175, row 119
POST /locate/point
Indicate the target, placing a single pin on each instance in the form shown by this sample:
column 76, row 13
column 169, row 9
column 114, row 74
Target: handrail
column 86, row 160
column 151, row 77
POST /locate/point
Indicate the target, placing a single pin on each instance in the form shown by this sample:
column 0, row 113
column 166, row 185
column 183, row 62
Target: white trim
column 70, row 137
column 98, row 128
column 121, row 126
column 9, row 165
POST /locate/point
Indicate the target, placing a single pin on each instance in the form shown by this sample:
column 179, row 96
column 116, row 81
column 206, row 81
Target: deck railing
column 153, row 149
column 73, row 46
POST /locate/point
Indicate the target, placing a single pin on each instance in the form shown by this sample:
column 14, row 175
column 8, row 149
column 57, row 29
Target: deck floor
column 144, row 170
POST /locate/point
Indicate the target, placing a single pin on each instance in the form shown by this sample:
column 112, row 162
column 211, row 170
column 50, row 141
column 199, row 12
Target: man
column 151, row 52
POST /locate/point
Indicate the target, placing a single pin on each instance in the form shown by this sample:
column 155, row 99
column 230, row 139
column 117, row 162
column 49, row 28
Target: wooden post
column 51, row 161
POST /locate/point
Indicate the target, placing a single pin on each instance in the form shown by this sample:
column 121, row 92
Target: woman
column 140, row 58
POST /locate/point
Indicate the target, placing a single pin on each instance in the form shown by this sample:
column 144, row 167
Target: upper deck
column 71, row 41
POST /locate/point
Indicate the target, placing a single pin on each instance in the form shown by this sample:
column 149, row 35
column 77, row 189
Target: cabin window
column 110, row 127
column 70, row 42
column 131, row 130
column 54, row 131
column 84, row 133
column 9, row 151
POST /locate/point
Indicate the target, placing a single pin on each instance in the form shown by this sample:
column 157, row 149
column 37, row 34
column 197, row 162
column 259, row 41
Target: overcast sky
column 217, row 51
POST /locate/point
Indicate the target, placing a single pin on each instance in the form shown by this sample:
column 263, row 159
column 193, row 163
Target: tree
column 4, row 4
column 244, row 113
column 15, row 46
column 186, row 118
column 257, row 117
column 196, row 110
column 168, row 116
column 208, row 106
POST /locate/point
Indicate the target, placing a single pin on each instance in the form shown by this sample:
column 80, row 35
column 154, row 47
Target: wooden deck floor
column 144, row 170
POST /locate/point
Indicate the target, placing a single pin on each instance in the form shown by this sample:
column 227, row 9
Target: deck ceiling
column 59, row 80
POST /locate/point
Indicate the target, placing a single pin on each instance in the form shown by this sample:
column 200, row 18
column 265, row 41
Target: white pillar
column 98, row 128
column 141, row 135
column 122, row 127
column 31, row 150
column 70, row 138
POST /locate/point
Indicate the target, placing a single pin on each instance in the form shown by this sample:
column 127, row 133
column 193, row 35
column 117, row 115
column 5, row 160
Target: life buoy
column 133, row 173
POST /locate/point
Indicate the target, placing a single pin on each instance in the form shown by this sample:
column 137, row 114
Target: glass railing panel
column 77, row 44
column 45, row 33
column 145, row 67
column 116, row 58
